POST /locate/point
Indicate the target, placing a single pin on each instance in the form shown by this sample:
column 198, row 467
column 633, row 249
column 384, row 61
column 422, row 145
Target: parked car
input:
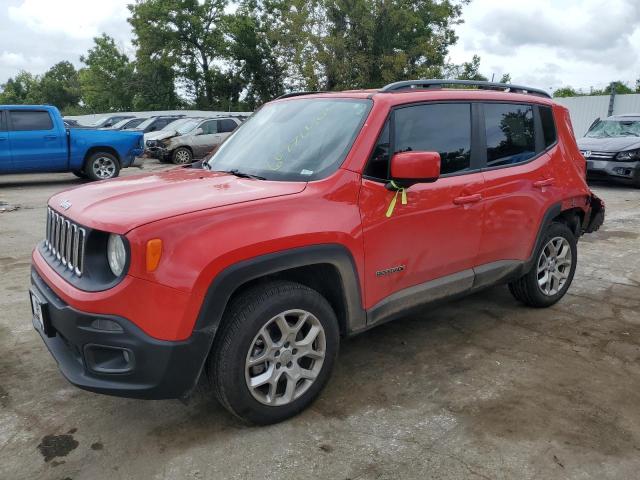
column 70, row 123
column 110, row 121
column 127, row 123
column 153, row 124
column 322, row 216
column 194, row 138
column 33, row 138
column 612, row 149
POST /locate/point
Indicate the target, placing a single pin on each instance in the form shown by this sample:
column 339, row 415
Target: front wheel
column 182, row 156
column 102, row 166
column 551, row 275
column 275, row 352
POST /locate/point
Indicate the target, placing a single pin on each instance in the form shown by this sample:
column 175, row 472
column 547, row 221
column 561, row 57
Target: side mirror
column 409, row 168
column 199, row 131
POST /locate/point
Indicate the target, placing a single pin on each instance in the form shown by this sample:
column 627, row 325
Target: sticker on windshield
column 306, row 172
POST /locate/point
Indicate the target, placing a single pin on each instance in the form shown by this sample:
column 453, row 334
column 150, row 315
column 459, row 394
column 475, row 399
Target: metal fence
column 584, row 110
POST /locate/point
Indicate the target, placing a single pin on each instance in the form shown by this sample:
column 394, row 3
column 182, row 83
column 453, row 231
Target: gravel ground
column 479, row 388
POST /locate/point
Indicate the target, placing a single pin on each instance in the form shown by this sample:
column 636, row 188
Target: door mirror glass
column 409, row 168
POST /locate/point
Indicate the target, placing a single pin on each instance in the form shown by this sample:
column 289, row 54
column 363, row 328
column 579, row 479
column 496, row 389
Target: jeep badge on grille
column 65, row 204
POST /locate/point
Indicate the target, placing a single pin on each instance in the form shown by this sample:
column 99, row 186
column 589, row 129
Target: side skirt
column 449, row 287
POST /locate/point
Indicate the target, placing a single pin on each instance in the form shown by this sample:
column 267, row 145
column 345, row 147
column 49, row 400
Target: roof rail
column 298, row 94
column 438, row 84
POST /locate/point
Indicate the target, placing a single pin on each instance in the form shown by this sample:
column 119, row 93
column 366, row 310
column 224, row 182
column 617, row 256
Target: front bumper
column 109, row 354
column 625, row 172
column 161, row 153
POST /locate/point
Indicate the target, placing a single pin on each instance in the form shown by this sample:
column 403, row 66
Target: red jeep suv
column 325, row 214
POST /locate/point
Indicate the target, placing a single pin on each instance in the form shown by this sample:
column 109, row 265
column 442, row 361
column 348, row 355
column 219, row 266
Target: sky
column 542, row 43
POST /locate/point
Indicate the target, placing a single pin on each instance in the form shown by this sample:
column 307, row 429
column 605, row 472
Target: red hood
column 122, row 204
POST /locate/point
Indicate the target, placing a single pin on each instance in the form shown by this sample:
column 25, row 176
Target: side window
column 440, row 127
column 548, row 126
column 25, row 120
column 510, row 133
column 3, row 122
column 226, row 125
column 210, row 127
column 378, row 166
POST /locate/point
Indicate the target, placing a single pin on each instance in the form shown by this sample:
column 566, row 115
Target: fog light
column 104, row 359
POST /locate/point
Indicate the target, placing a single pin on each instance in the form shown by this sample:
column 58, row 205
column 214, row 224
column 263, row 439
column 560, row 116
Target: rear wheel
column 553, row 270
column 182, row 156
column 102, row 166
column 274, row 353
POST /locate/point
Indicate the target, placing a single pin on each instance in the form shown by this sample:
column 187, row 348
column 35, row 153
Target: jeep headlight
column 116, row 254
column 628, row 156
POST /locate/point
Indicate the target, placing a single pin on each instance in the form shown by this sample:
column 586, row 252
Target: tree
column 506, row 78
column 60, row 86
column 107, row 82
column 252, row 52
column 471, row 70
column 566, row 92
column 187, row 35
column 21, row 89
column 342, row 44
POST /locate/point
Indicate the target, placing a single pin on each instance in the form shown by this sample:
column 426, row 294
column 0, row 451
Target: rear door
column 518, row 180
column 437, row 233
column 35, row 142
column 5, row 151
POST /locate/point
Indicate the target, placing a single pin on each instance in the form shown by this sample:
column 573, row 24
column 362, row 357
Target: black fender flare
column 231, row 278
column 552, row 212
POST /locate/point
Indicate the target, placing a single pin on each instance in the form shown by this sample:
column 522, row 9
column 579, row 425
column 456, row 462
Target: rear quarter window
column 548, row 126
column 24, row 120
column 510, row 133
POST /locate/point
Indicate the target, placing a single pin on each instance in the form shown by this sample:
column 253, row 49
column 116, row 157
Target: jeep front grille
column 66, row 241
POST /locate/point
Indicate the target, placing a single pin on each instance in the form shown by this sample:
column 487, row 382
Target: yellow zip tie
column 392, row 205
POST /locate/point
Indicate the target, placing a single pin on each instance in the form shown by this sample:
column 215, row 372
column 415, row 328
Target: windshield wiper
column 240, row 174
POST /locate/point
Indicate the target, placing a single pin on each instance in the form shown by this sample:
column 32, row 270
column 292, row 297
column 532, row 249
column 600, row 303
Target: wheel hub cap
column 285, row 357
column 554, row 265
column 104, row 167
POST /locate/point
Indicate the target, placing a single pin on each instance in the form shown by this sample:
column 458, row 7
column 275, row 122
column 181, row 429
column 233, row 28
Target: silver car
column 191, row 138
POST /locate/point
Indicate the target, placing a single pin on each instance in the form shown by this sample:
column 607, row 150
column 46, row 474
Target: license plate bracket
column 40, row 313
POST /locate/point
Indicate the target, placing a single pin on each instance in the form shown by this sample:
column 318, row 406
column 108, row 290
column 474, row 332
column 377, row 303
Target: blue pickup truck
column 33, row 138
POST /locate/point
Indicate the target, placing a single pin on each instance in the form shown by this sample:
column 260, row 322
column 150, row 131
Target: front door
column 35, row 142
column 207, row 140
column 437, row 233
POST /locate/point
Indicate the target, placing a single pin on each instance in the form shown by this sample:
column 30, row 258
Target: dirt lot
column 481, row 388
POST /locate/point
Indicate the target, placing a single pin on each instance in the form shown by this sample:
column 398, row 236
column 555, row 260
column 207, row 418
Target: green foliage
column 343, row 44
column 226, row 54
column 21, row 89
column 566, row 92
column 620, row 88
column 107, row 81
column 505, row 78
column 60, row 86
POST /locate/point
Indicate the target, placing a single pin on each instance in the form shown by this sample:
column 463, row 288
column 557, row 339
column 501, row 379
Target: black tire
column 182, row 156
column 102, row 166
column 242, row 322
column 79, row 174
column 527, row 288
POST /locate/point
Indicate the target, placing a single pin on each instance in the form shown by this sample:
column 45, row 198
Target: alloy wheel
column 182, row 157
column 104, row 167
column 554, row 266
column 285, row 357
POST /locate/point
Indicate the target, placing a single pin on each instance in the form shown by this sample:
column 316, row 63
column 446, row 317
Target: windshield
column 615, row 128
column 302, row 139
column 183, row 126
